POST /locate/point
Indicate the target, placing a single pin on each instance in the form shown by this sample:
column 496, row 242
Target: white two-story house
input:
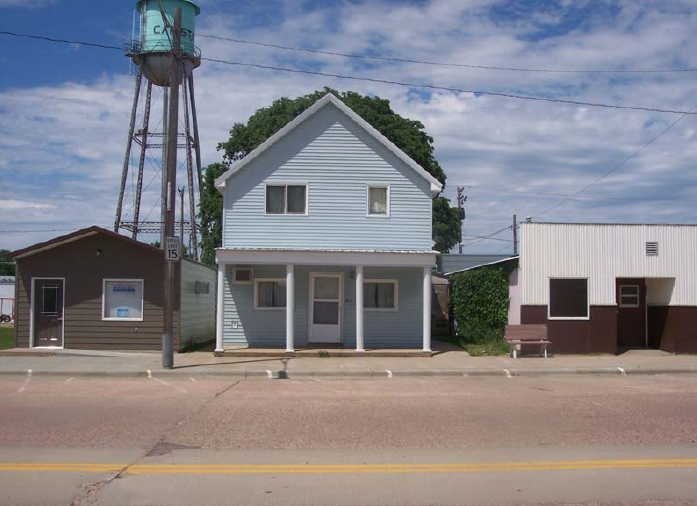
column 326, row 239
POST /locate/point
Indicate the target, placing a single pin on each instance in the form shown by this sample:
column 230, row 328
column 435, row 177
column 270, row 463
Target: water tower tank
column 154, row 48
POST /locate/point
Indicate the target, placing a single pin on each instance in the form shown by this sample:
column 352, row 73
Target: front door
column 48, row 312
column 631, row 313
column 326, row 297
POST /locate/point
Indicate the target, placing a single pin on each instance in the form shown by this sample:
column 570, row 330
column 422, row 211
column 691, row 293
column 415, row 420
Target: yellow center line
column 476, row 467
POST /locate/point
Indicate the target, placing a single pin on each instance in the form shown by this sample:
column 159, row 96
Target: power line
column 493, row 189
column 613, row 169
column 443, row 64
column 448, row 88
column 488, row 236
column 382, row 81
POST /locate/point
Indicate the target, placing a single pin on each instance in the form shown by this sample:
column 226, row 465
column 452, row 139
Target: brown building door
column 631, row 313
column 48, row 312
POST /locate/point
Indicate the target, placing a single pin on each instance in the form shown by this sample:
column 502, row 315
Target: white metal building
column 601, row 287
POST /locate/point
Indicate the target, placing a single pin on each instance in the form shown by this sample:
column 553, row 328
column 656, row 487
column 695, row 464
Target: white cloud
column 64, row 145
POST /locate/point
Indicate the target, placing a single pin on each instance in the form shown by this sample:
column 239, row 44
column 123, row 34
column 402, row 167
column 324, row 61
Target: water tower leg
column 190, row 176
column 197, row 145
column 143, row 147
column 127, row 158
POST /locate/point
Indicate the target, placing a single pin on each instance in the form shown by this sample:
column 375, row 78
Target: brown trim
column 598, row 334
column 673, row 328
column 74, row 236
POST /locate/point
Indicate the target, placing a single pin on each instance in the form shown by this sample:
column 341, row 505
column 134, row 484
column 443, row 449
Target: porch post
column 427, row 309
column 359, row 308
column 220, row 305
column 290, row 307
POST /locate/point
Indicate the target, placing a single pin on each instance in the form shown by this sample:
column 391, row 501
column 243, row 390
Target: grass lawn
column 7, row 338
column 488, row 348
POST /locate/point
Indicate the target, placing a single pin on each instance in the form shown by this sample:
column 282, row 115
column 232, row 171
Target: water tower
column 151, row 51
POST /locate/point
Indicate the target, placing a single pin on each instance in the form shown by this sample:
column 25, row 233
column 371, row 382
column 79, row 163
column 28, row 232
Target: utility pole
column 172, row 253
column 515, row 235
column 460, row 212
column 181, row 212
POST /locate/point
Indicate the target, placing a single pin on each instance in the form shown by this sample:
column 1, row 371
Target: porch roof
column 305, row 256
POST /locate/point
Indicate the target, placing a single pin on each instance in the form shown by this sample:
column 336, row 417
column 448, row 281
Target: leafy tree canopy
column 7, row 267
column 409, row 136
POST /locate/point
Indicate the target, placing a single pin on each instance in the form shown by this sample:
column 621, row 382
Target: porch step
column 319, row 352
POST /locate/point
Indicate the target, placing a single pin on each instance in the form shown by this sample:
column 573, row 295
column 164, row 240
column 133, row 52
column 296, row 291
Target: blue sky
column 64, row 109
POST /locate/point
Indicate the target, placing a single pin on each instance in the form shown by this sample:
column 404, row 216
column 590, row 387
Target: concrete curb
column 412, row 373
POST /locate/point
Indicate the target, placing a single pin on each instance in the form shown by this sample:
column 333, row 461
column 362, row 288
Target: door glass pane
column 377, row 200
column 296, row 199
column 49, row 300
column 629, row 290
column 275, row 199
column 326, row 288
column 326, row 313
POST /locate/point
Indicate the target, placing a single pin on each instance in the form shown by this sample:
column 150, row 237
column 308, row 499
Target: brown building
column 95, row 289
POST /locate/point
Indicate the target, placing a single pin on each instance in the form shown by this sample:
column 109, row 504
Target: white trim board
column 329, row 98
column 300, row 257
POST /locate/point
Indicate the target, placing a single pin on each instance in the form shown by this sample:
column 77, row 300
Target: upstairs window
column 286, row 199
column 568, row 298
column 378, row 200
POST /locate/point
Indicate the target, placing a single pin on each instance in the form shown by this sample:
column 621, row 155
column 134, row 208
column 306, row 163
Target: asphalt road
column 488, row 441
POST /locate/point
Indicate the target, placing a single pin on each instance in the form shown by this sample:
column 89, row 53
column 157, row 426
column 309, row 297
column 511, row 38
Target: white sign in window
column 380, row 294
column 378, row 200
column 286, row 199
column 123, row 299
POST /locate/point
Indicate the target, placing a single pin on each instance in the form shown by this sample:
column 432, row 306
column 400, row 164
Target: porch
column 288, row 302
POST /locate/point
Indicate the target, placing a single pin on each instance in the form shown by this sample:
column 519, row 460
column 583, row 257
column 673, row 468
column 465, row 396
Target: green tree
column 7, row 267
column 409, row 136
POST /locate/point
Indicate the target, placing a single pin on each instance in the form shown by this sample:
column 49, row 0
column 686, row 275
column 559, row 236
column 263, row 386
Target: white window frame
column 282, row 281
column 549, row 299
column 285, row 208
column 367, row 201
column 234, row 275
column 394, row 309
column 142, row 300
column 638, row 295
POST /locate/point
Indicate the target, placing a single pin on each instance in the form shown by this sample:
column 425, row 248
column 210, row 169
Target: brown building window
column 568, row 298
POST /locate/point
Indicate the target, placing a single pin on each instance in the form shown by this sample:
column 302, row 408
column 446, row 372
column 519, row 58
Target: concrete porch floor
column 321, row 352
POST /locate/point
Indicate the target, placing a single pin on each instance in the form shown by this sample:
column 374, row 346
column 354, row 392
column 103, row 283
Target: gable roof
column 76, row 236
column 330, row 98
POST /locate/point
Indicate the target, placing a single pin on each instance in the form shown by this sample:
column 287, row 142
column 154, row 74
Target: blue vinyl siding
column 337, row 159
column 267, row 328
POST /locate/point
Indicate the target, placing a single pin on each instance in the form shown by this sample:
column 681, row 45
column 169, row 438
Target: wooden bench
column 524, row 335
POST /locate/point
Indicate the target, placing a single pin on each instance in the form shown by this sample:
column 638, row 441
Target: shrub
column 480, row 302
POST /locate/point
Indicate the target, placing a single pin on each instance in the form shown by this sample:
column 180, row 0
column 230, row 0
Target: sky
column 64, row 108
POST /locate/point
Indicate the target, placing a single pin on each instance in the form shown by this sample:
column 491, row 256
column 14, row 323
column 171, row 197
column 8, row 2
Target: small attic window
column 651, row 249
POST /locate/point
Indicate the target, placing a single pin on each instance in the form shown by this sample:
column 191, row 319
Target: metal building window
column 651, row 249
column 568, row 299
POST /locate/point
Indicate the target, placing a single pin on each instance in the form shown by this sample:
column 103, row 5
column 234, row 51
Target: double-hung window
column 568, row 298
column 380, row 294
column 269, row 293
column 378, row 200
column 286, row 199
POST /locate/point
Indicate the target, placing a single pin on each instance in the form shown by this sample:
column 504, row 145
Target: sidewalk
column 447, row 361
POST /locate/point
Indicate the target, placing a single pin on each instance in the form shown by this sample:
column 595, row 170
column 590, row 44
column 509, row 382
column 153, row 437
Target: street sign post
column 173, row 249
